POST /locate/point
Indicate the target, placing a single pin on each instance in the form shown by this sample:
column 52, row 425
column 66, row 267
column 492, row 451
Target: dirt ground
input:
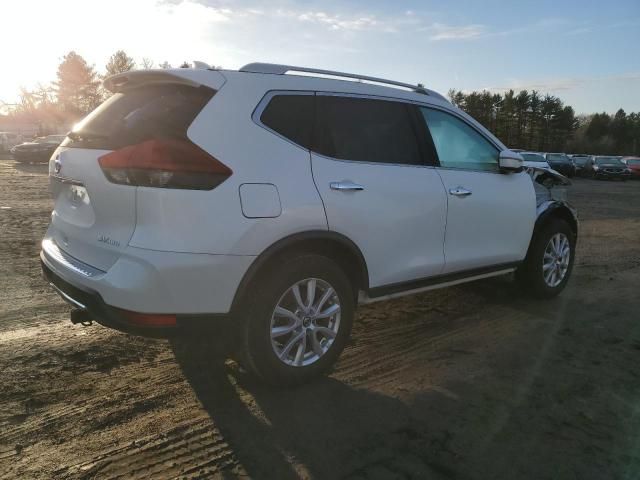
column 471, row 382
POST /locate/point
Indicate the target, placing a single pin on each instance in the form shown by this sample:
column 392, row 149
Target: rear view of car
column 609, row 167
column 130, row 166
column 633, row 165
column 534, row 160
column 37, row 151
column 560, row 162
column 580, row 162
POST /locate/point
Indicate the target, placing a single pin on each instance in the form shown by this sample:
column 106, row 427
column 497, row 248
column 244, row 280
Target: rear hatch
column 137, row 137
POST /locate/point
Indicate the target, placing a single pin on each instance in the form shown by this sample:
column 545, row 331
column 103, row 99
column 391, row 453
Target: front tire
column 298, row 319
column 549, row 262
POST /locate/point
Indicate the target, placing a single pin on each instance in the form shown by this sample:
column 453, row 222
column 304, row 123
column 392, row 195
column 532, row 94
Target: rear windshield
column 557, row 157
column 533, row 157
column 580, row 160
column 608, row 161
column 140, row 114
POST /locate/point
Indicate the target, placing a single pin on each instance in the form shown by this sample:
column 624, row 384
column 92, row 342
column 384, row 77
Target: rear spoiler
column 183, row 76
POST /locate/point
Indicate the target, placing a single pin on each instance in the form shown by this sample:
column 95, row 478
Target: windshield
column 634, row 161
column 608, row 161
column 580, row 160
column 557, row 157
column 533, row 157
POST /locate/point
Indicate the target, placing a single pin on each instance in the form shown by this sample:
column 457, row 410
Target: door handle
column 346, row 186
column 460, row 192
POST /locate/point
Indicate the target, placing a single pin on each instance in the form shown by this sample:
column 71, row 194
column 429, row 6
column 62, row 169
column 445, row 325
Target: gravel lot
column 471, row 382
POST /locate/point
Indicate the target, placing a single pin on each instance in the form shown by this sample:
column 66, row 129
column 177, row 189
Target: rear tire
column 549, row 262
column 287, row 339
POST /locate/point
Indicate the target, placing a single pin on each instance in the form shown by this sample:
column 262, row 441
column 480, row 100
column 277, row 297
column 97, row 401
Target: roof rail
column 276, row 69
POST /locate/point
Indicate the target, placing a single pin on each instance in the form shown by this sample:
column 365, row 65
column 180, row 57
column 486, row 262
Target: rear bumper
column 150, row 281
column 613, row 175
column 195, row 288
column 97, row 310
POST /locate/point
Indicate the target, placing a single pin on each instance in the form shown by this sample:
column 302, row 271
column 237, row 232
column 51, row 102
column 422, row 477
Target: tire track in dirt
column 188, row 451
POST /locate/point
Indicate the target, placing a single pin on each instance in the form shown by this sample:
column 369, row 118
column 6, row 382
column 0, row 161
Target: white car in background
column 533, row 159
column 282, row 201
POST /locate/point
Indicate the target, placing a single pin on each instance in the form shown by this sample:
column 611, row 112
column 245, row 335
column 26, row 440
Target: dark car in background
column 580, row 162
column 609, row 167
column 633, row 164
column 561, row 163
column 38, row 150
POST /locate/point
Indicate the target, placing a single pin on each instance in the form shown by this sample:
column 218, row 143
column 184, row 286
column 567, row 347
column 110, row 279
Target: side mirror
column 510, row 162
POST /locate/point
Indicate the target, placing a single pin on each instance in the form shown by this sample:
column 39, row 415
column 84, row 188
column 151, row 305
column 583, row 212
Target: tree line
column 532, row 121
column 76, row 91
column 527, row 120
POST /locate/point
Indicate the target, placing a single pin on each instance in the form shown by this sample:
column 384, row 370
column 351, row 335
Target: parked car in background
column 580, row 162
column 560, row 162
column 610, row 167
column 39, row 150
column 633, row 164
column 533, row 159
column 8, row 140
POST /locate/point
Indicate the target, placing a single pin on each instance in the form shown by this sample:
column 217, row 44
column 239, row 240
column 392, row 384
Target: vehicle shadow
column 325, row 429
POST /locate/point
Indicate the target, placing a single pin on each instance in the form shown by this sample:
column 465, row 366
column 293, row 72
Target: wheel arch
column 331, row 244
column 556, row 209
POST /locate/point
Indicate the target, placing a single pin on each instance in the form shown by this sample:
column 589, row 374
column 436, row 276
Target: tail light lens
column 164, row 163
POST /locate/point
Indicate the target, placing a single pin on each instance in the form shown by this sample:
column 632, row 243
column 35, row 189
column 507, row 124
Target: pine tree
column 119, row 62
column 77, row 87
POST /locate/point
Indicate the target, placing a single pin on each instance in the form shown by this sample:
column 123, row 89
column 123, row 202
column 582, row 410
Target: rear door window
column 137, row 115
column 366, row 130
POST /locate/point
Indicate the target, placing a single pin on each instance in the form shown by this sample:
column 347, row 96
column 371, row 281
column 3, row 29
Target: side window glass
column 366, row 130
column 459, row 145
column 291, row 116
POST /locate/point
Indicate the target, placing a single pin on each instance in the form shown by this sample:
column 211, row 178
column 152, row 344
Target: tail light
column 164, row 163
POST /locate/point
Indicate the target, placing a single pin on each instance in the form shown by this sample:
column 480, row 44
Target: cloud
column 455, row 32
column 340, row 22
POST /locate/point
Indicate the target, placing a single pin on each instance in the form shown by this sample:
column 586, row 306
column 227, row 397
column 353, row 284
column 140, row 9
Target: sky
column 585, row 52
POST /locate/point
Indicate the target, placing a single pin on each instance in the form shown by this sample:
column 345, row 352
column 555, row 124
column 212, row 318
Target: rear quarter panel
column 213, row 221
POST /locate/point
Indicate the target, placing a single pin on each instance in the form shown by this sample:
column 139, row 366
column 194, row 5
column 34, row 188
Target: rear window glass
column 140, row 114
column 557, row 157
column 291, row 116
column 533, row 157
column 376, row 131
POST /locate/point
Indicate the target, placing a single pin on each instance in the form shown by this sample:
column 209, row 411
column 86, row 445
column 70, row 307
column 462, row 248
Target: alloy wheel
column 555, row 262
column 305, row 322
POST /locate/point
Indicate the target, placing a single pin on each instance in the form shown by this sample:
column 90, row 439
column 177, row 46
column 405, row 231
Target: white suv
column 281, row 202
